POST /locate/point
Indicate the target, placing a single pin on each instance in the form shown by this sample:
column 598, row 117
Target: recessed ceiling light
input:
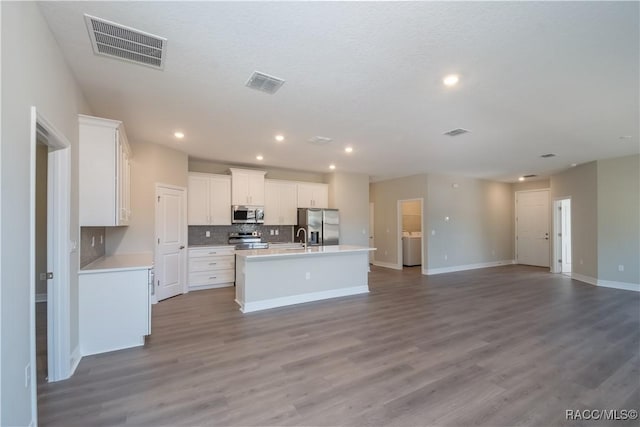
column 451, row 80
column 178, row 135
column 521, row 178
column 279, row 138
column 332, row 166
column 259, row 157
column 348, row 149
column 573, row 165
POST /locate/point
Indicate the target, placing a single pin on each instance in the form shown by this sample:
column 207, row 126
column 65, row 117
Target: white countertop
column 124, row 262
column 310, row 251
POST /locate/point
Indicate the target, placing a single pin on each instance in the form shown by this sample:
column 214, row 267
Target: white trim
column 41, row 298
column 619, row 285
column 203, row 287
column 586, row 279
column 387, row 265
column 75, row 359
column 249, row 307
column 432, row 271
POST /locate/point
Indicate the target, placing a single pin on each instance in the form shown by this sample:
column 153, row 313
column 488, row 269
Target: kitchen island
column 269, row 278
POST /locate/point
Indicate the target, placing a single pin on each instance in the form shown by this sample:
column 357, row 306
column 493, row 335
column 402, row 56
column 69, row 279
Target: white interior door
column 566, row 235
column 171, row 242
column 532, row 227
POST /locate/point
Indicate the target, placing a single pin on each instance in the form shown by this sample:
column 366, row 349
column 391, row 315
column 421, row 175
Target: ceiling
column 535, row 78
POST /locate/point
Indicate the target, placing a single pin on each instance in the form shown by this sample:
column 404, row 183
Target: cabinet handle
column 212, row 277
column 212, row 263
column 212, row 253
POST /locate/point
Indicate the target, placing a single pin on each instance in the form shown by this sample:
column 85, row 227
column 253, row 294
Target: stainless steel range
column 248, row 240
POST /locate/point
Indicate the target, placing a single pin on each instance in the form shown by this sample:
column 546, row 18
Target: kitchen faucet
column 304, row 242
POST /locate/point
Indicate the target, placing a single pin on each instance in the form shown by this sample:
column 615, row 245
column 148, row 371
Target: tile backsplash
column 89, row 252
column 220, row 233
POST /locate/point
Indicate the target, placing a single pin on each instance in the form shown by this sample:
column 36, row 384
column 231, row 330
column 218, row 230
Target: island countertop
column 122, row 262
column 298, row 252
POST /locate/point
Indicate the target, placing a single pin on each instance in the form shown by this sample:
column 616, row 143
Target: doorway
column 49, row 237
column 532, row 227
column 562, row 236
column 410, row 246
column 171, row 242
column 372, row 240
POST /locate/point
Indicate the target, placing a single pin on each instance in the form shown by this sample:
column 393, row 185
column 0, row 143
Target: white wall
column 33, row 74
column 479, row 228
column 150, row 164
column 349, row 192
column 619, row 219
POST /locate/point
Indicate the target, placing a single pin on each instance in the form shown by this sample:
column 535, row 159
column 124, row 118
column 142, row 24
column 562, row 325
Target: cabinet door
column 256, row 189
column 305, row 195
column 321, row 196
column 288, row 204
column 198, row 200
column 271, row 203
column 220, row 200
column 240, row 189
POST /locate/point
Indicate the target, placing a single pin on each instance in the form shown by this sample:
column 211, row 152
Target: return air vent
column 546, row 156
column 264, row 82
column 456, row 132
column 320, row 140
column 530, row 176
column 117, row 41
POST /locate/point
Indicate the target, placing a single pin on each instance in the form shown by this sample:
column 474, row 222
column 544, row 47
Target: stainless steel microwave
column 247, row 214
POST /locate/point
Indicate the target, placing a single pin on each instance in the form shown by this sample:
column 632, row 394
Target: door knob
column 182, row 247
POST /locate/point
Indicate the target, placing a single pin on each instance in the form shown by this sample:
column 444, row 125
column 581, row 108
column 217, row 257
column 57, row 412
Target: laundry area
column 411, row 232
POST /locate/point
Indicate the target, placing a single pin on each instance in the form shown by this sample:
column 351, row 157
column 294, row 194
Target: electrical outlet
column 277, row 232
column 93, row 241
column 433, row 232
column 271, row 232
column 307, row 275
column 446, row 257
column 27, row 375
column 207, row 233
column 620, row 267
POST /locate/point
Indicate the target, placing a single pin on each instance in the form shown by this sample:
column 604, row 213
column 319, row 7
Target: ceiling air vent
column 546, row 156
column 264, row 82
column 320, row 140
column 530, row 176
column 117, row 41
column 456, row 132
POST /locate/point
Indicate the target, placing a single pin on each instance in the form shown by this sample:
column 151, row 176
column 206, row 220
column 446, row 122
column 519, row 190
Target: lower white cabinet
column 114, row 310
column 211, row 267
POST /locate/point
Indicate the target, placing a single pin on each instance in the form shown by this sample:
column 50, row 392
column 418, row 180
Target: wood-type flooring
column 502, row 346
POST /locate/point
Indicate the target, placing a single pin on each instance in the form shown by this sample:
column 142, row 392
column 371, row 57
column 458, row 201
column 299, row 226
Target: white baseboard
column 249, row 307
column 75, row 360
column 32, row 423
column 432, row 271
column 387, row 265
column 619, row 285
column 41, row 298
column 586, row 279
column 625, row 286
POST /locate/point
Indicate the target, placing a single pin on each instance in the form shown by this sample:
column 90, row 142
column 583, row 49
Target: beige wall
column 411, row 216
column 531, row 185
column 150, row 164
column 581, row 185
column 385, row 196
column 209, row 166
column 479, row 229
column 619, row 219
column 34, row 73
column 349, row 192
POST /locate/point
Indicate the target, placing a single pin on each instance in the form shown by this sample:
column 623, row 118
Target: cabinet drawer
column 211, row 277
column 211, row 263
column 211, row 251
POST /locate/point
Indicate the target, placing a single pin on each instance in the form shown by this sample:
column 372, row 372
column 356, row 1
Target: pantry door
column 171, row 241
column 532, row 227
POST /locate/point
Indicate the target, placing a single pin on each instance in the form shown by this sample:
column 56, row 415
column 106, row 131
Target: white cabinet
column 114, row 310
column 247, row 187
column 211, row 267
column 209, row 199
column 104, row 172
column 311, row 195
column 280, row 202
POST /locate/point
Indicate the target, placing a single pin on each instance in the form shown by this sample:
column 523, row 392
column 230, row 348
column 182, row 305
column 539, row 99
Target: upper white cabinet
column 247, row 187
column 311, row 195
column 104, row 172
column 280, row 202
column 209, row 199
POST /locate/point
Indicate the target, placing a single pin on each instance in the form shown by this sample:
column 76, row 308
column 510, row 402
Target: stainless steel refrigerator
column 322, row 226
